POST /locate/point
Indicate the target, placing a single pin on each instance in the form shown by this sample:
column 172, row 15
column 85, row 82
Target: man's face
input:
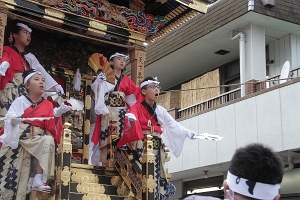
column 118, row 62
column 23, row 37
column 151, row 92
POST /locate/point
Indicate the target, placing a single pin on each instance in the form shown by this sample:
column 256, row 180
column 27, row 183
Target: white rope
column 229, row 85
column 29, row 118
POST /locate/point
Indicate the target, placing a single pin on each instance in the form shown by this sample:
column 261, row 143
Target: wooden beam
column 3, row 20
column 137, row 58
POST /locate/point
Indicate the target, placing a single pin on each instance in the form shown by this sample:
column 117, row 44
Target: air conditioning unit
column 269, row 3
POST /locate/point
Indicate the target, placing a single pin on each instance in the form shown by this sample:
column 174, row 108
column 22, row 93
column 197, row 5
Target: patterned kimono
column 157, row 122
column 123, row 92
column 11, row 85
column 34, row 144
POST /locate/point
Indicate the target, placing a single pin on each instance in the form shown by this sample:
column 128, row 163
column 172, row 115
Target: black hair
column 149, row 78
column 27, row 72
column 257, row 162
column 15, row 29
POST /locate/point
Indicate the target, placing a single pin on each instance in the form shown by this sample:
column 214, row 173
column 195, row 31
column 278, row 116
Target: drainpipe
column 242, row 45
column 251, row 5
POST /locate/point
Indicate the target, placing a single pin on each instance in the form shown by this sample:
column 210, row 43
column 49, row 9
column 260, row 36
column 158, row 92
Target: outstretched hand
column 59, row 89
column 61, row 110
column 191, row 134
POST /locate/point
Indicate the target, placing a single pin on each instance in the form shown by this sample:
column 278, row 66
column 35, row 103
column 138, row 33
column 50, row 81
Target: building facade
column 245, row 42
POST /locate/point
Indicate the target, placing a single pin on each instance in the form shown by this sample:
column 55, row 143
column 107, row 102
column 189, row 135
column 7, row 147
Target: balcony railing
column 210, row 103
column 275, row 80
column 234, row 94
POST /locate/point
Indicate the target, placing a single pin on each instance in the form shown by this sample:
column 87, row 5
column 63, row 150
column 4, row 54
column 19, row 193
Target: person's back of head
column 255, row 172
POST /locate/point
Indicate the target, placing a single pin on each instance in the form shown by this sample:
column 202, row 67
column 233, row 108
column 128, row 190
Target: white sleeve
column 130, row 99
column 100, row 88
column 11, row 133
column 174, row 133
column 35, row 64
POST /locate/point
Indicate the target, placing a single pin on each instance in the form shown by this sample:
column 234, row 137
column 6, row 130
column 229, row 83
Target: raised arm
column 50, row 82
column 174, row 133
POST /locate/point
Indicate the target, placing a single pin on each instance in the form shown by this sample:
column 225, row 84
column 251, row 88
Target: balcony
column 269, row 116
column 228, row 97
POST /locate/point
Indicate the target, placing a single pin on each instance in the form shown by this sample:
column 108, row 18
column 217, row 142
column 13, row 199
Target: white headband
column 30, row 75
column 149, row 82
column 24, row 26
column 252, row 189
column 115, row 55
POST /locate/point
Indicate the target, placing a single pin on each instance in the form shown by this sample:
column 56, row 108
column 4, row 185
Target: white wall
column 284, row 49
column 271, row 118
column 295, row 50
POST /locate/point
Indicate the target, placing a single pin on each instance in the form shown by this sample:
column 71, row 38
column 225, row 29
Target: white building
column 269, row 112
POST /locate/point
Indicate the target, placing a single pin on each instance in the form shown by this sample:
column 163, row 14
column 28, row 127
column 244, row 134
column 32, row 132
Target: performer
column 149, row 118
column 113, row 105
column 13, row 63
column 27, row 155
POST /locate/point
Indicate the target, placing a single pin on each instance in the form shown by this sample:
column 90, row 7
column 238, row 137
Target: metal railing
column 210, row 103
column 275, row 80
column 234, row 94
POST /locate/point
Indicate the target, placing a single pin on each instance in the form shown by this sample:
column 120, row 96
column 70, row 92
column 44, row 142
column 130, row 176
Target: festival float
column 66, row 35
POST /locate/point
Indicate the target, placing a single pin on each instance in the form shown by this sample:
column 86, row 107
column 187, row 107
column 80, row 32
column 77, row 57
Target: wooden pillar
column 148, row 170
column 138, row 59
column 63, row 172
column 3, row 20
column 87, row 122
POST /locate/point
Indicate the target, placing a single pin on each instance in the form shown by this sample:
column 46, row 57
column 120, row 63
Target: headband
column 252, row 189
column 24, row 26
column 149, row 82
column 30, row 75
column 115, row 55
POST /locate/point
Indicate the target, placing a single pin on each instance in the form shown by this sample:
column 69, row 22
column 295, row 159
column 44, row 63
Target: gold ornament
column 81, row 177
column 90, row 188
column 123, row 190
column 67, row 148
column 95, row 197
column 65, row 176
column 84, row 166
column 85, row 151
column 148, row 183
column 116, row 180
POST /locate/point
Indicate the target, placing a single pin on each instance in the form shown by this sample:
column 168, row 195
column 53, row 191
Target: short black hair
column 149, row 78
column 27, row 72
column 15, row 29
column 257, row 162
